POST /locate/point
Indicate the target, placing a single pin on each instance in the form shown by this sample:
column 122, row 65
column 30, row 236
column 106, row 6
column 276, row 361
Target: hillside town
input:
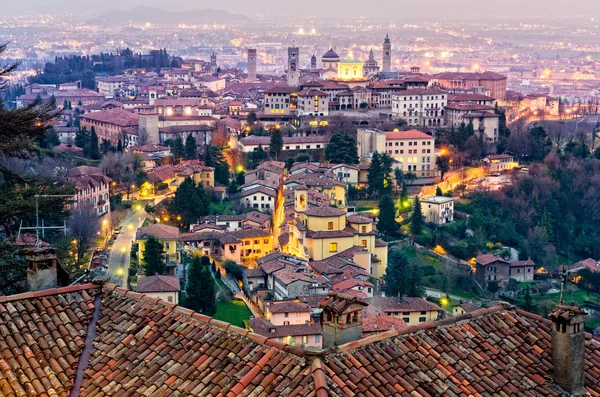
column 338, row 227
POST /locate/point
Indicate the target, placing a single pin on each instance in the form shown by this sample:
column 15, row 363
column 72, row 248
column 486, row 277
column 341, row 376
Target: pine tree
column 438, row 191
column 191, row 148
column 416, row 219
column 387, row 216
column 342, row 149
column 201, row 289
column 120, row 146
column 93, row 149
column 153, row 257
column 397, row 274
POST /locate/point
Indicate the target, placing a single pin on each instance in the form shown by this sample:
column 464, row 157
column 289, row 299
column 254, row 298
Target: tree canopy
column 379, row 177
column 342, row 149
column 190, row 202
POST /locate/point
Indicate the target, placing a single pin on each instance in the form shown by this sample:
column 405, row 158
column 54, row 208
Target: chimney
column 568, row 348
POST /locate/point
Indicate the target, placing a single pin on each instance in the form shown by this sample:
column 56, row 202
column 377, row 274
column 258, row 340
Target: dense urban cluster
column 247, row 217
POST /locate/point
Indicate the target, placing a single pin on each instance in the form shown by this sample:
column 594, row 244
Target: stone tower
column 213, row 62
column 251, row 64
column 293, row 73
column 568, row 348
column 387, row 54
column 341, row 318
column 313, row 62
column 148, row 128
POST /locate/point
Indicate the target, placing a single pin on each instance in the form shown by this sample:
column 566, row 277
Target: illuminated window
column 330, row 226
column 363, row 229
column 363, row 243
column 333, row 247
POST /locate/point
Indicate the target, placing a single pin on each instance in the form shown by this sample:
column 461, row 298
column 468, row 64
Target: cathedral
column 352, row 70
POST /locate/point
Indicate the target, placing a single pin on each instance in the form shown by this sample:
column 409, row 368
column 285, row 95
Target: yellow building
column 255, row 243
column 318, row 233
column 350, row 69
column 332, row 188
column 167, row 235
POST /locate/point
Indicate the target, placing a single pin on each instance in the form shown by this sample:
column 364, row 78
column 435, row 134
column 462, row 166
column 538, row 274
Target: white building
column 438, row 210
column 163, row 287
column 420, row 107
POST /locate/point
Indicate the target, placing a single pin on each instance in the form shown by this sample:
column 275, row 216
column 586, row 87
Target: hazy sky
column 386, row 8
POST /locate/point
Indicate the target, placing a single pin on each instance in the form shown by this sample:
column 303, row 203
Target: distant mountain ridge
column 143, row 14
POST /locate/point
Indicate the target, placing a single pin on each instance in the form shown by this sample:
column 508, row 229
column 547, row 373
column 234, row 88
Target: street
column 118, row 261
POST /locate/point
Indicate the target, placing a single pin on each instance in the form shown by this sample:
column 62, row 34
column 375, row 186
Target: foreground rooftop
column 93, row 340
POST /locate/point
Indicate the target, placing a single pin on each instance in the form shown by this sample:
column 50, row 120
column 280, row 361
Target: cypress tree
column 416, row 219
column 93, row 149
column 387, row 216
column 201, row 289
column 191, row 148
column 397, row 274
column 153, row 257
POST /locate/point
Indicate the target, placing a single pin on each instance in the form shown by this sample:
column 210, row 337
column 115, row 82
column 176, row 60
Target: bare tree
column 143, row 137
column 117, row 217
column 84, row 227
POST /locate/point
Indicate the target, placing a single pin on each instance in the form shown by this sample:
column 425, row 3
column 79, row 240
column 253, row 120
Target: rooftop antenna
column 37, row 219
column 563, row 280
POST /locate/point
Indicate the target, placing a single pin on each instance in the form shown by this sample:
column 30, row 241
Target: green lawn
column 220, row 208
column 233, row 312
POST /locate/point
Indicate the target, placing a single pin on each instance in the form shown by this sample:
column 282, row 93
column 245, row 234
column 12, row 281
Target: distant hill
column 143, row 14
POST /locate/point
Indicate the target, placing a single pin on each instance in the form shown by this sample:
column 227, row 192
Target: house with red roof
column 166, row 288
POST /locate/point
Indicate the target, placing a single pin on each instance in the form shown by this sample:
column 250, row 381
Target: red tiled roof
column 589, row 263
column 486, row 259
column 158, row 283
column 288, row 307
column 394, row 304
column 469, row 76
column 468, row 106
column 381, row 323
column 528, row 262
column 158, row 230
column 116, row 116
column 324, row 211
column 359, row 219
column 265, row 328
column 145, row 346
column 410, row 134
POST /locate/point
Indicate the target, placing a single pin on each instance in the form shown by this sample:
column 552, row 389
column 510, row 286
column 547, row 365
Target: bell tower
column 300, row 199
column 293, row 73
column 387, row 54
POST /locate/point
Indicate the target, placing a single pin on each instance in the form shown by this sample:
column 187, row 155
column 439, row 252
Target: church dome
column 331, row 55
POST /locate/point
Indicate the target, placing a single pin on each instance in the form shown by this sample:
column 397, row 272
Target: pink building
column 93, row 188
column 288, row 313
